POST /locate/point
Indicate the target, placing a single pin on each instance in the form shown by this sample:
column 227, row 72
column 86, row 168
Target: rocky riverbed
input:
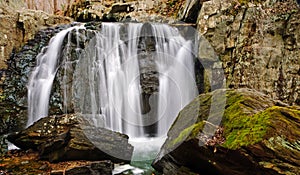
column 251, row 48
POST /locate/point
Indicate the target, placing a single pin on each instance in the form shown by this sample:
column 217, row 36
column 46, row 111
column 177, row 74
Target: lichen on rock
column 256, row 133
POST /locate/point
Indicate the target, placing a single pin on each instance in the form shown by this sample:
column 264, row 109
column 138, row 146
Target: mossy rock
column 252, row 133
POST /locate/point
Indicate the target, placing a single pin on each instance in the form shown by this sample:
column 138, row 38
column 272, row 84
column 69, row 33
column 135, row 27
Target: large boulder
column 20, row 162
column 253, row 134
column 72, row 137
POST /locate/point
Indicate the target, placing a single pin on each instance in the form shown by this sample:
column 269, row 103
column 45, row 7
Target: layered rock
column 257, row 43
column 17, row 26
column 95, row 168
column 71, row 137
column 112, row 11
column 19, row 162
column 51, row 7
column 255, row 134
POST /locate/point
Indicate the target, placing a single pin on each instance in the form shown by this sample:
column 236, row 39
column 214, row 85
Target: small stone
column 43, row 167
column 25, row 162
column 57, row 172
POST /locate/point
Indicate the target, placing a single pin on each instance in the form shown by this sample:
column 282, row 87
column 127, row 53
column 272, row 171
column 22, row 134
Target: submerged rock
column 255, row 134
column 71, row 137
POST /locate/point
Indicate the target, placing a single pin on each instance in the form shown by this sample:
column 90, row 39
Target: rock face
column 17, row 26
column 113, row 10
column 51, row 7
column 257, row 43
column 14, row 100
column 71, row 137
column 256, row 134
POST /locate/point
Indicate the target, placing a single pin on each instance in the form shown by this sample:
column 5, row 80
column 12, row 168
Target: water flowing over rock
column 189, row 12
column 19, row 25
column 39, row 86
column 71, row 137
column 256, row 134
column 122, row 77
column 14, row 106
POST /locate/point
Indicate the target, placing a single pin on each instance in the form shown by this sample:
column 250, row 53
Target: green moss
column 2, row 97
column 191, row 132
column 242, row 127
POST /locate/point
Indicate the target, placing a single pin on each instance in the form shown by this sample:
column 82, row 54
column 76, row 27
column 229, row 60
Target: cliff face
column 258, row 43
column 17, row 26
column 121, row 10
column 51, row 7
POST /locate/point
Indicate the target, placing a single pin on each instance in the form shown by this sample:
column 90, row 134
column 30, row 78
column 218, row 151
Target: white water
column 41, row 78
column 106, row 84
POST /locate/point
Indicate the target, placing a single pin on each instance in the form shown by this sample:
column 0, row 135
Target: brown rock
column 70, row 137
column 256, row 43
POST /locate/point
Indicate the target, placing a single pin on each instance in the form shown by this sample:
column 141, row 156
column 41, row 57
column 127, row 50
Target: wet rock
column 14, row 96
column 121, row 7
column 149, row 79
column 189, row 12
column 17, row 27
column 3, row 145
column 12, row 119
column 253, row 134
column 72, row 137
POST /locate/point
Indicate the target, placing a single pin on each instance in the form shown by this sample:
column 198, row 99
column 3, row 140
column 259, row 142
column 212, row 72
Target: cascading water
column 132, row 78
column 41, row 78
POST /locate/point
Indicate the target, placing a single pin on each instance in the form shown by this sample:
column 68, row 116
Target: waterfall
column 132, row 78
column 41, row 78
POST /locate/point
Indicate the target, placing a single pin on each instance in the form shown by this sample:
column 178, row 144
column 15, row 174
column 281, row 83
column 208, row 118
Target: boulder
column 20, row 162
column 95, row 168
column 252, row 133
column 72, row 137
